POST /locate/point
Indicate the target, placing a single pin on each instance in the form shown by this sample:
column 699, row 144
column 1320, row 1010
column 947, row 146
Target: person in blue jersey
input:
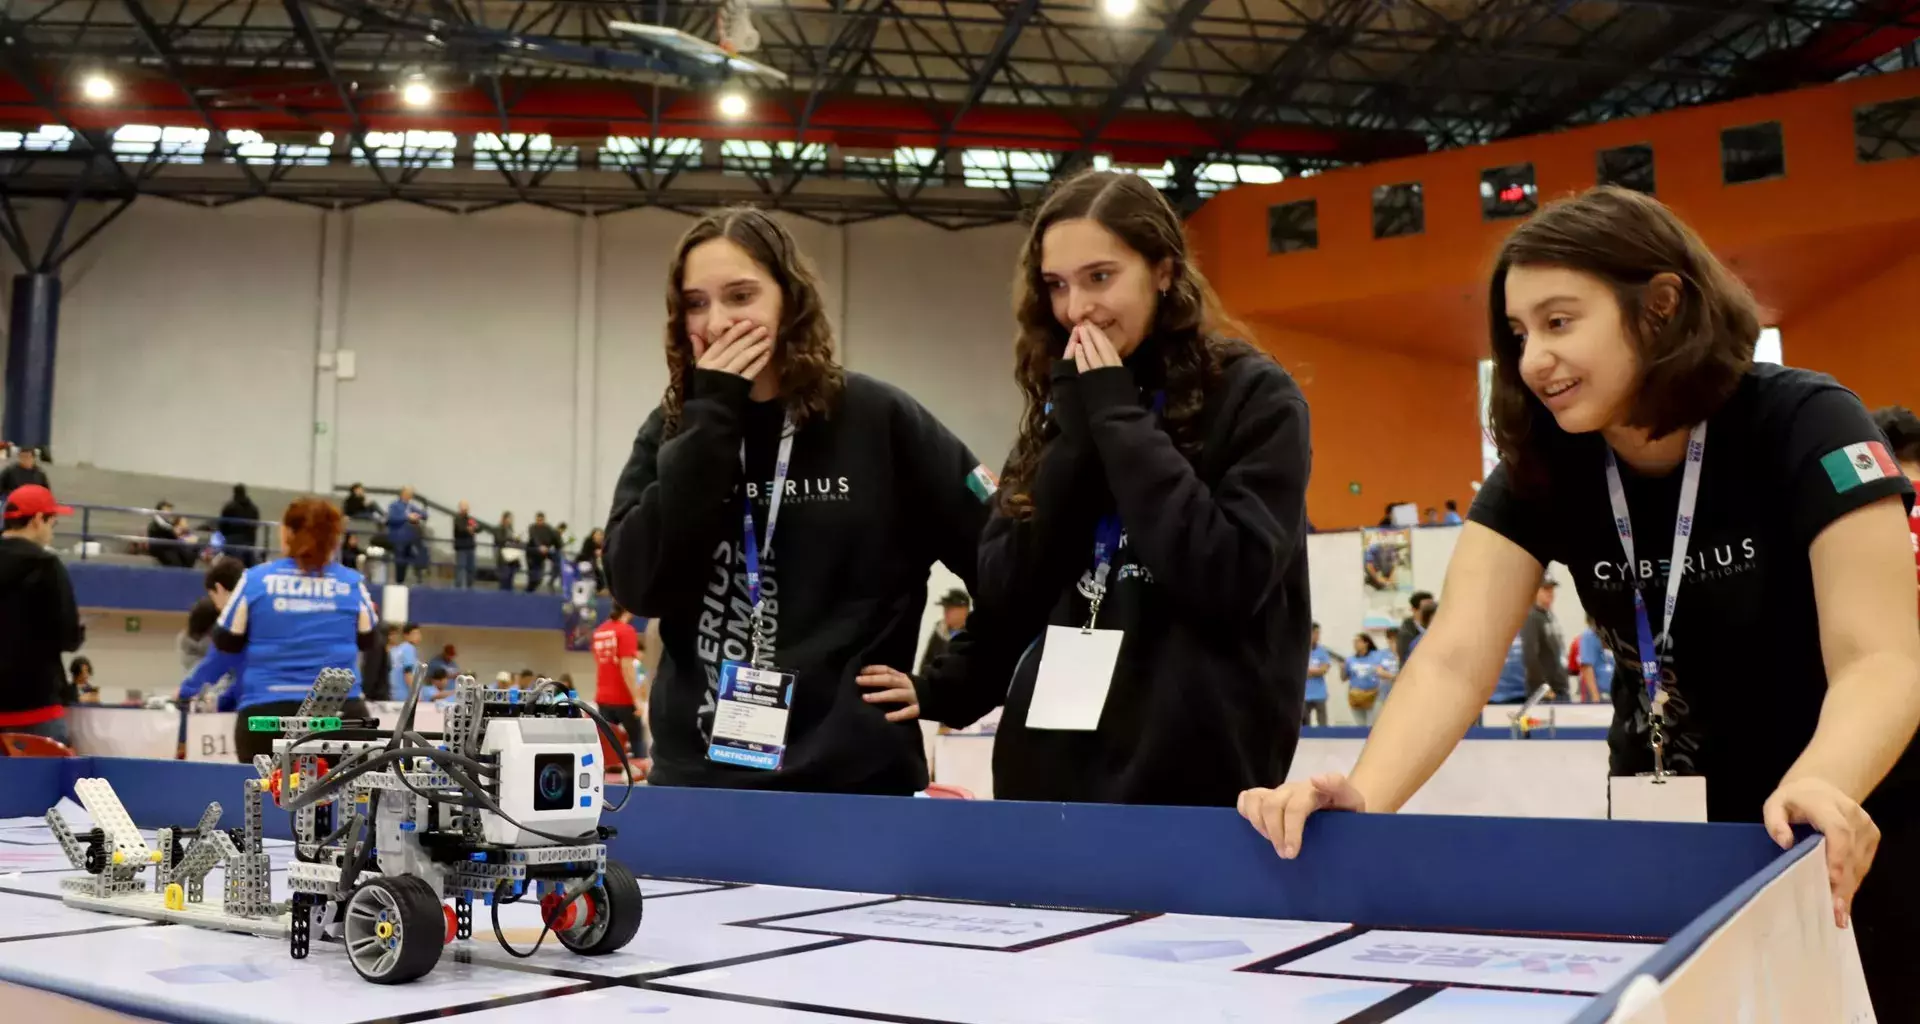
column 287, row 620
column 1369, row 674
column 1512, row 685
column 1319, row 663
column 1596, row 666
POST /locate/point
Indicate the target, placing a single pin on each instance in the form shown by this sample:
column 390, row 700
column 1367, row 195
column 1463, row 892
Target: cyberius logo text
column 1486, row 958
column 1715, row 561
column 803, row 490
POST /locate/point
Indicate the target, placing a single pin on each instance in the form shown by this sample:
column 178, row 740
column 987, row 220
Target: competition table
column 770, row 908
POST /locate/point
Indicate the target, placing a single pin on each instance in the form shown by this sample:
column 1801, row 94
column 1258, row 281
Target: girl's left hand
column 1094, row 351
column 1852, row 837
column 890, row 686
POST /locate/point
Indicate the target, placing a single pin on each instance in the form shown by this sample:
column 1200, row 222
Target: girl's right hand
column 1280, row 814
column 744, row 349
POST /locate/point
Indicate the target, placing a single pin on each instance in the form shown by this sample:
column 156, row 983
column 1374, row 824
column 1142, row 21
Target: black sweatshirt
column 876, row 493
column 38, row 623
column 1210, row 587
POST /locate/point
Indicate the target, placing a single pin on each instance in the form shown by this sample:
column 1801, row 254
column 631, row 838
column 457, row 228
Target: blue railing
column 363, row 546
column 86, row 516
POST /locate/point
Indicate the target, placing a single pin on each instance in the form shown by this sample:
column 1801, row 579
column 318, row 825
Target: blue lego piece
column 406, row 826
column 586, row 760
column 586, row 801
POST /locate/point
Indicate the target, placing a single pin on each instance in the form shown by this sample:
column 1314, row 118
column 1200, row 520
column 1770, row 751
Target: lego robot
column 391, row 825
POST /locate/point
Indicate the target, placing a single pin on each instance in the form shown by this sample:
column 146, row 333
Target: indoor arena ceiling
column 955, row 112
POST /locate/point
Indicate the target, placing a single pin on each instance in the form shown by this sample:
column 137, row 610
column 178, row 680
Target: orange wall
column 1384, row 334
column 1399, row 425
column 1825, row 192
column 1867, row 337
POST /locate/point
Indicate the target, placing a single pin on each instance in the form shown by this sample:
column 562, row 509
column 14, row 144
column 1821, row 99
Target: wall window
column 1293, row 227
column 1766, row 349
column 1507, row 192
column 1626, row 166
column 1398, row 210
column 1887, row 131
column 1752, row 152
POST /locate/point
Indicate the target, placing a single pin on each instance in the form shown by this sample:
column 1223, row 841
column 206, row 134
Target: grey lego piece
column 264, row 764
column 76, row 852
column 329, row 692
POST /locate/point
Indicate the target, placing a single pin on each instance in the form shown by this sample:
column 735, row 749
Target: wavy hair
column 810, row 379
column 1191, row 333
column 313, row 528
column 1691, row 358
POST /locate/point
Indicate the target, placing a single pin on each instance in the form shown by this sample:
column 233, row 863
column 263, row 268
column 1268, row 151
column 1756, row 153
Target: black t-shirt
column 1743, row 666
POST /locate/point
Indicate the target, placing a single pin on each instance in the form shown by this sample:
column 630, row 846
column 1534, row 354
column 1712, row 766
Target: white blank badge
column 1673, row 798
column 1076, row 670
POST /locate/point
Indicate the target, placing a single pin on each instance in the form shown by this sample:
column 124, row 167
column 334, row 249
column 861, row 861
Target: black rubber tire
column 618, row 896
column 423, row 930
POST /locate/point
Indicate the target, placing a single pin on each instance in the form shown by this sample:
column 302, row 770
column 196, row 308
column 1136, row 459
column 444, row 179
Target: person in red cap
column 38, row 618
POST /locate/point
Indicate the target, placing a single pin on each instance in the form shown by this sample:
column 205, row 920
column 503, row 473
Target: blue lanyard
column 752, row 544
column 1106, row 540
column 1676, row 566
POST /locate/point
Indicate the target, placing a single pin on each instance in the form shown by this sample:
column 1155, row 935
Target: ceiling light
column 417, row 93
column 1119, row 8
column 733, row 104
column 97, row 87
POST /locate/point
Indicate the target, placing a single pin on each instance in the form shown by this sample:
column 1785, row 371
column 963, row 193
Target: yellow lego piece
column 156, row 856
column 176, row 898
column 119, row 856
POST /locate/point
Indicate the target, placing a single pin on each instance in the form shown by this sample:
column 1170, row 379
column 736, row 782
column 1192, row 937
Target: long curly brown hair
column 1191, row 333
column 810, row 379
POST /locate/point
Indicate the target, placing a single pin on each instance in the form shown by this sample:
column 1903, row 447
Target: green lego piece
column 271, row 723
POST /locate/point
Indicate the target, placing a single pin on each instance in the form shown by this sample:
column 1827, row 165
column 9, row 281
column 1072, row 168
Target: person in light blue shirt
column 286, row 621
column 1319, row 663
column 1512, row 687
column 1369, row 674
column 406, row 663
column 1596, row 666
column 1452, row 518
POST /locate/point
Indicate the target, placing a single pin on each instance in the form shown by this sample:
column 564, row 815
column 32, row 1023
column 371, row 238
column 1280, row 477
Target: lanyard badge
column 750, row 543
column 1646, row 639
column 1106, row 545
column 753, row 702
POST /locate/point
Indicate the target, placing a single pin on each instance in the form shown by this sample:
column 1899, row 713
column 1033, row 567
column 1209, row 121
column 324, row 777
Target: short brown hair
column 1691, row 361
column 810, row 379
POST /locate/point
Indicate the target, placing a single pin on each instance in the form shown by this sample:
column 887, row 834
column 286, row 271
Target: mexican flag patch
column 1858, row 464
column 982, row 482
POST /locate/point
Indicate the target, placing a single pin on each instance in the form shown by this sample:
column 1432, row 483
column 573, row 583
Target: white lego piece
column 153, row 907
column 111, row 818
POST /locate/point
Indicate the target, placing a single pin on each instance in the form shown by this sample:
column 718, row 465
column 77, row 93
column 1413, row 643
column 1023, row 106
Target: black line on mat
column 493, row 1003
column 1447, row 984
column 36, row 895
column 763, row 922
column 1317, row 945
column 1394, row 1005
column 782, row 1004
column 711, row 887
column 82, row 931
column 643, row 977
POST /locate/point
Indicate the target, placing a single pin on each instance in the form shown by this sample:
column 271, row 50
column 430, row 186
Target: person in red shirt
column 616, row 650
column 1902, row 428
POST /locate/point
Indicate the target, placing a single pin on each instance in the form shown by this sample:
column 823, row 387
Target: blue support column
column 32, row 338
